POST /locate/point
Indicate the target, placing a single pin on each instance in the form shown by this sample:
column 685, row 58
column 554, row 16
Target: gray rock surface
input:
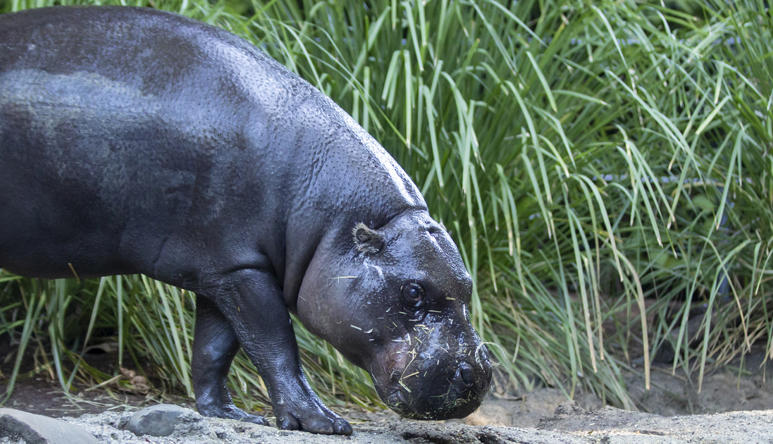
column 162, row 420
column 539, row 417
column 385, row 428
column 569, row 424
column 16, row 425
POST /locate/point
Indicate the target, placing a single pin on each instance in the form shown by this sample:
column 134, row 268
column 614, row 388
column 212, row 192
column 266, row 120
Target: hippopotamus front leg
column 251, row 302
column 214, row 346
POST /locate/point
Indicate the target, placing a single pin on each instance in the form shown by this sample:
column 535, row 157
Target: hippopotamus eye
column 413, row 295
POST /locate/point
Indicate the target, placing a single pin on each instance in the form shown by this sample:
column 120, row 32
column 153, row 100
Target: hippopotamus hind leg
column 214, row 347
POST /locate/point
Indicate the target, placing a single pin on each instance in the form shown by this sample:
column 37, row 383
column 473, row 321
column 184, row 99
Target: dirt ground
column 569, row 422
column 733, row 406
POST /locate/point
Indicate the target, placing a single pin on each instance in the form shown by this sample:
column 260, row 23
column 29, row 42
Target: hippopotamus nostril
column 464, row 375
column 424, row 362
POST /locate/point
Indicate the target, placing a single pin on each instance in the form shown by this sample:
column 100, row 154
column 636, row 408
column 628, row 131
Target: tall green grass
column 603, row 166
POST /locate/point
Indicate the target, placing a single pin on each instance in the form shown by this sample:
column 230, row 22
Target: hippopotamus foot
column 310, row 415
column 230, row 411
column 246, row 308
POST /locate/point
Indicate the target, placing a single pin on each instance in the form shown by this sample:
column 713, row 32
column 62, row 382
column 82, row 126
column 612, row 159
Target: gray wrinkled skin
column 137, row 141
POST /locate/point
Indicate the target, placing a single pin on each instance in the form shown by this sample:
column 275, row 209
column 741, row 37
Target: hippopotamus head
column 394, row 301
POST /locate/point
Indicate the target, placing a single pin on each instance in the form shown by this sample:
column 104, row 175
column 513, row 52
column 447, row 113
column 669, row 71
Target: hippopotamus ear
column 367, row 239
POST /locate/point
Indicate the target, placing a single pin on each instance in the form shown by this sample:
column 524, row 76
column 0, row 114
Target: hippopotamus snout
column 442, row 398
column 436, row 383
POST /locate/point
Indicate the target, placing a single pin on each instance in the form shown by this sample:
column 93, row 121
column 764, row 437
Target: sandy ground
column 543, row 416
column 733, row 406
column 569, row 423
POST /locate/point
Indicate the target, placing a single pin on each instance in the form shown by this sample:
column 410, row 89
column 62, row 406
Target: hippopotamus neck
column 346, row 178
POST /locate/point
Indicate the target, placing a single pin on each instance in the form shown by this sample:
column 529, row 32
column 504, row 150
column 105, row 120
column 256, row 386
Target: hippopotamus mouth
column 436, row 384
column 454, row 398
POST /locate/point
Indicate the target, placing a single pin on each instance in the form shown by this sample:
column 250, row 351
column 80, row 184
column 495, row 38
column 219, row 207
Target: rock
column 160, row 420
column 38, row 429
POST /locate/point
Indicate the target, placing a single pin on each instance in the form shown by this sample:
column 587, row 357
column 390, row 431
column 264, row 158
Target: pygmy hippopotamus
column 138, row 141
